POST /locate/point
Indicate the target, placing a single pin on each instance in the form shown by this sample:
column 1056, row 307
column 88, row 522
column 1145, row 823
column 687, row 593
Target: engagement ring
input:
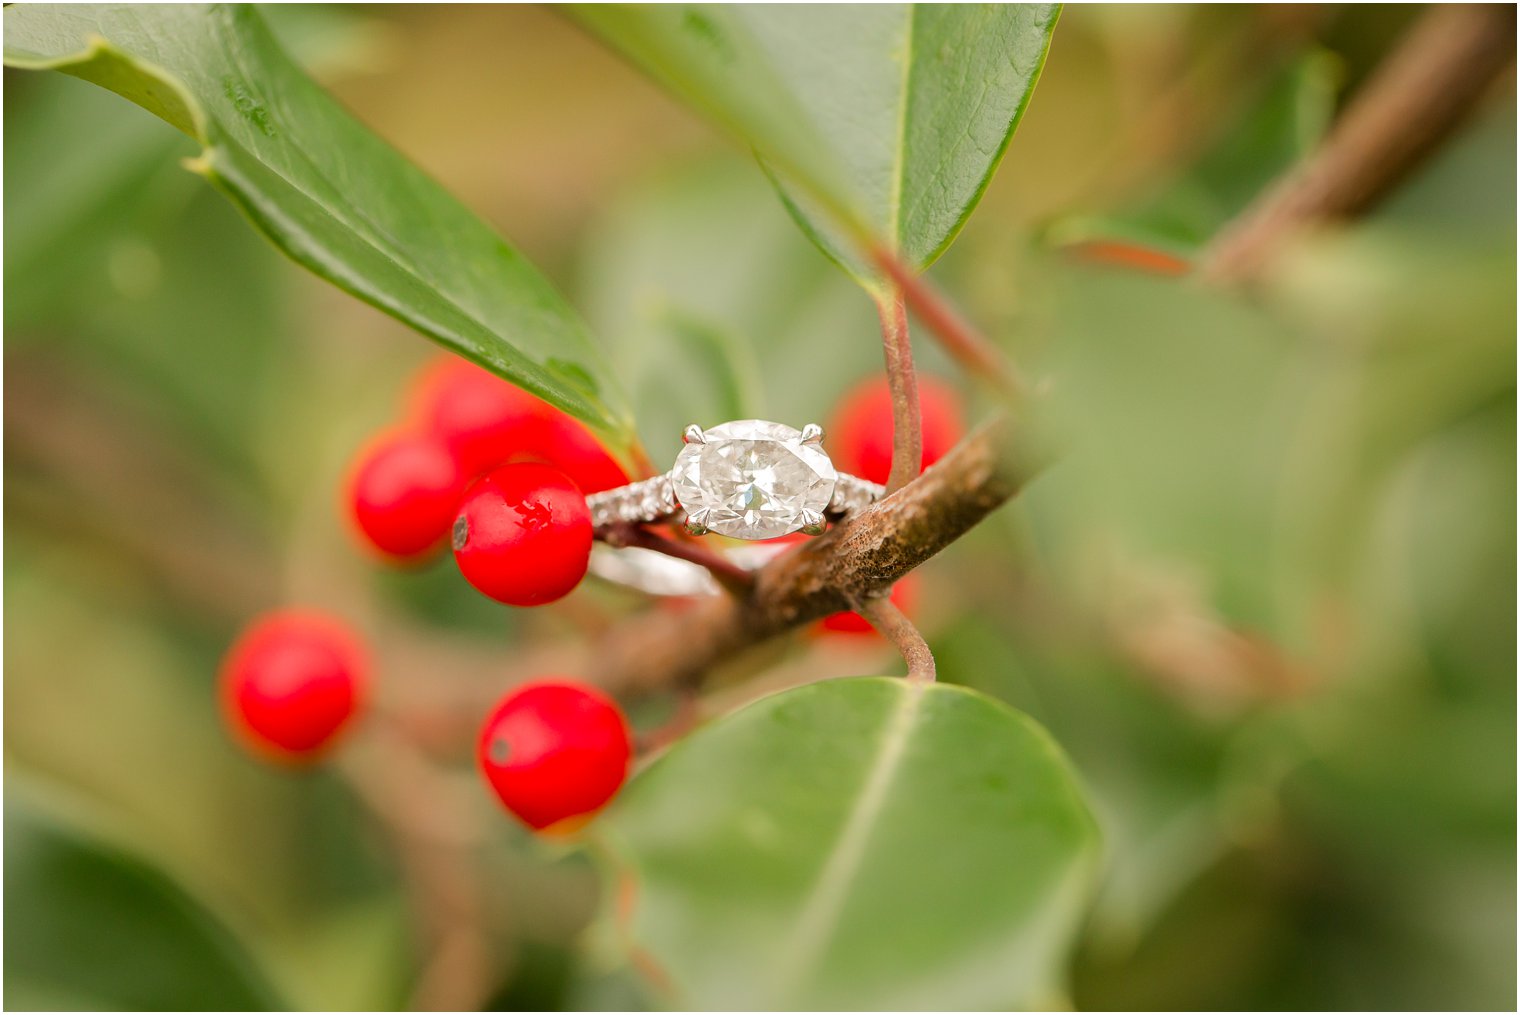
column 749, row 479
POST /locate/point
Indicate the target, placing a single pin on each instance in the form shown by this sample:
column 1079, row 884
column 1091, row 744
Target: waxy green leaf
column 881, row 124
column 325, row 189
column 866, row 843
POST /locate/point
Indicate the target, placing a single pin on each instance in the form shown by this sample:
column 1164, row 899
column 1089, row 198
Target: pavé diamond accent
column 852, row 493
column 753, row 479
column 648, row 500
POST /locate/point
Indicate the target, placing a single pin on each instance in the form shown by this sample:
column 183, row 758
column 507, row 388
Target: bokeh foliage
column 1266, row 602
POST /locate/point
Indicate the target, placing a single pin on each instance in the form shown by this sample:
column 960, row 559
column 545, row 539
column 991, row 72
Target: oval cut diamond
column 752, row 479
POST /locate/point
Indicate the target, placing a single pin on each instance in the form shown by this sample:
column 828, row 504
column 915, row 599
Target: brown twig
column 728, row 574
column 1419, row 95
column 902, row 380
column 436, row 837
column 895, row 626
column 965, row 344
column 864, row 554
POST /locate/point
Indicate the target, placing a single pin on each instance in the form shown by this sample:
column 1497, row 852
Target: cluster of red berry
column 502, row 471
column 505, row 475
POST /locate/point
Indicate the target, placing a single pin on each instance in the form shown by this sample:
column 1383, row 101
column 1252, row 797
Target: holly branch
column 856, row 560
column 1419, row 95
column 1423, row 91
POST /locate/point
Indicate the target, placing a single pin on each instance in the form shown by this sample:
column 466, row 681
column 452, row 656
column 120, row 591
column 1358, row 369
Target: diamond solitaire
column 749, row 479
column 753, row 480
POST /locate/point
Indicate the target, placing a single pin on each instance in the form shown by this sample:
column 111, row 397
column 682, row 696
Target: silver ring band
column 659, row 575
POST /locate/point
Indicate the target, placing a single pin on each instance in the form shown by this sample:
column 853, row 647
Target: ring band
column 749, row 479
column 655, row 573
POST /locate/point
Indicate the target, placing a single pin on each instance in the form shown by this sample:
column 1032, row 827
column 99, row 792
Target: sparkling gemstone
column 753, row 480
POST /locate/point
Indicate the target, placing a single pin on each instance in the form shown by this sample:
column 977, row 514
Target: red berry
column 291, row 682
column 404, row 492
column 482, row 419
column 523, row 535
column 488, row 422
column 860, row 437
column 571, row 448
column 554, row 749
column 904, row 596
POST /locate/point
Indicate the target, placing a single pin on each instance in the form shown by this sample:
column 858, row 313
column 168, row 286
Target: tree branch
column 907, row 414
column 1419, row 95
column 861, row 556
column 1413, row 102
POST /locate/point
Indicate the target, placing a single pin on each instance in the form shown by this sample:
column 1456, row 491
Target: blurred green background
column 1266, row 602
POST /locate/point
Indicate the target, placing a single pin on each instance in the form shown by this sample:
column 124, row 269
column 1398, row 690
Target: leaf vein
column 829, row 894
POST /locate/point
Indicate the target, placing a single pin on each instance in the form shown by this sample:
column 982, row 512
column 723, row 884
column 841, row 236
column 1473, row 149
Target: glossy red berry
column 860, row 437
column 291, row 682
column 553, row 750
column 904, row 596
column 523, row 535
column 488, row 422
column 403, row 493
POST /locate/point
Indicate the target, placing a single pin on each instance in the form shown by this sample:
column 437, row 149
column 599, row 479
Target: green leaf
column 859, row 844
column 1165, row 230
column 882, row 124
column 326, row 190
column 95, row 927
column 1151, row 768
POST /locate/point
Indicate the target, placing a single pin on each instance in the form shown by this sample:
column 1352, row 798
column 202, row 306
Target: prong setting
column 693, row 435
column 812, row 523
column 696, row 523
column 812, row 434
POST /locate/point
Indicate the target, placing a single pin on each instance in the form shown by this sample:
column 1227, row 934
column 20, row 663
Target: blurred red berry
column 481, row 418
column 523, row 535
column 554, row 749
column 904, row 596
column 291, row 682
column 488, row 422
column 571, row 448
column 404, row 492
column 860, row 437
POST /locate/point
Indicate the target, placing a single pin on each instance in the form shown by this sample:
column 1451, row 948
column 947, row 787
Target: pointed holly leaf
column 327, row 191
column 882, row 124
column 866, row 843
